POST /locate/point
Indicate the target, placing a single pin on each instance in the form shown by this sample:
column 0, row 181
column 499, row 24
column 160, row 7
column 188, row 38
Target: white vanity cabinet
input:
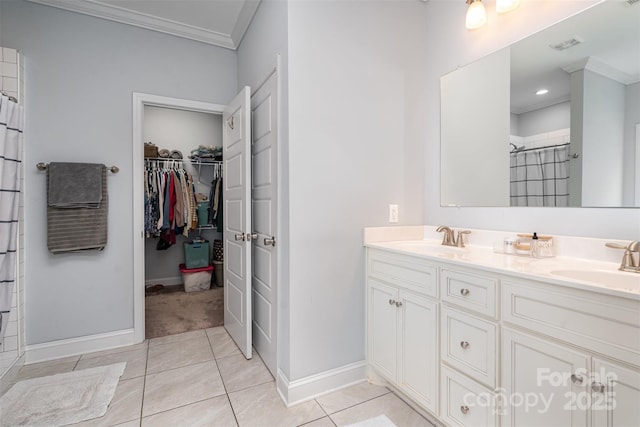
column 477, row 347
column 542, row 382
column 402, row 323
column 586, row 355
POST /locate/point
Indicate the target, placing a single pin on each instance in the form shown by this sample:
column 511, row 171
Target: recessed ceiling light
column 542, row 91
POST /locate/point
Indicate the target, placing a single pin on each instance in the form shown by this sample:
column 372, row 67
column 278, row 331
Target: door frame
column 140, row 100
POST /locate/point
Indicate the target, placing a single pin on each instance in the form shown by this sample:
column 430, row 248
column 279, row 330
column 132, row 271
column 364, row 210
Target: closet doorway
column 183, row 233
column 250, row 305
column 163, row 266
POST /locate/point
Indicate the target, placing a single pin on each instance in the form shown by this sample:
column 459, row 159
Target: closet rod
column 43, row 167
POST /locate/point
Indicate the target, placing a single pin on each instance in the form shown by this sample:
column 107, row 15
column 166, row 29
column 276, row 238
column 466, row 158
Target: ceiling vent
column 575, row 40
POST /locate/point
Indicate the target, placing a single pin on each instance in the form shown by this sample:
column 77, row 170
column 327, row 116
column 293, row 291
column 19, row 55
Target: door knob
column 239, row 236
column 597, row 387
column 269, row 241
column 392, row 301
column 398, row 303
column 464, row 344
column 464, row 292
column 577, row 379
column 252, row 236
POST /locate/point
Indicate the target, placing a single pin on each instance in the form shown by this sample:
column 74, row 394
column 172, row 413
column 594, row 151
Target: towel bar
column 43, row 166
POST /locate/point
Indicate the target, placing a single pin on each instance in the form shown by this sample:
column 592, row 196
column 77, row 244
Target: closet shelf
column 193, row 162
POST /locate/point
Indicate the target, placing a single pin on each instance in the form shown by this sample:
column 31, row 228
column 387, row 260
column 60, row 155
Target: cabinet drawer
column 465, row 402
column 606, row 324
column 469, row 344
column 474, row 292
column 406, row 271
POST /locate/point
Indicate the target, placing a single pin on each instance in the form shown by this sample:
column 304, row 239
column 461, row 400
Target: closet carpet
column 172, row 311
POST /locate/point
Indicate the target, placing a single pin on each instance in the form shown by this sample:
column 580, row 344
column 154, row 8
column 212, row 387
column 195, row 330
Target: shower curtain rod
column 11, row 98
column 540, row 148
column 573, row 156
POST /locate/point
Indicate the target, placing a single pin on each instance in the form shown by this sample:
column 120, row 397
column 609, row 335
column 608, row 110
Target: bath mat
column 379, row 421
column 61, row 399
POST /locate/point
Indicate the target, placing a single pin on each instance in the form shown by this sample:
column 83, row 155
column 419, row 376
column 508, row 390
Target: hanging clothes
column 169, row 201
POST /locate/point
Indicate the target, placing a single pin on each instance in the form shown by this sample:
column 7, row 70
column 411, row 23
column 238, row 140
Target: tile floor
column 200, row 378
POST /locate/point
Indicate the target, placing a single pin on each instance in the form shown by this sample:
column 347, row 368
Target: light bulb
column 504, row 6
column 476, row 15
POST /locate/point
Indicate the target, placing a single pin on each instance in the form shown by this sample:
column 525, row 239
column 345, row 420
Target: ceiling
column 217, row 22
column 610, row 34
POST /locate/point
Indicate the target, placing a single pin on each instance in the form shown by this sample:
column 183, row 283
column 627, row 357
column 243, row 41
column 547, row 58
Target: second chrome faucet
column 449, row 238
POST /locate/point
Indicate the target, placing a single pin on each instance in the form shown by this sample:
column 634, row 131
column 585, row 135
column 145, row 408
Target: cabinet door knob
column 597, row 387
column 240, row 236
column 577, row 379
column 464, row 292
column 398, row 303
column 269, row 241
column 392, row 301
column 252, row 236
column 464, row 409
column 464, row 344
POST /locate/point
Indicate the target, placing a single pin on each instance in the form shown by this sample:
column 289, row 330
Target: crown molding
column 542, row 104
column 247, row 12
column 595, row 65
column 142, row 20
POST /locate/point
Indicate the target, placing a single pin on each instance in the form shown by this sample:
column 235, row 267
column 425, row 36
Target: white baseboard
column 167, row 281
column 298, row 391
column 75, row 346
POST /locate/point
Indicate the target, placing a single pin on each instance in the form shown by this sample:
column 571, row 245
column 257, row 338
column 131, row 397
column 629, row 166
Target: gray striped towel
column 80, row 228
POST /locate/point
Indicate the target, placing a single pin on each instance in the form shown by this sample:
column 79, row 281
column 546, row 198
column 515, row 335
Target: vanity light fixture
column 476, row 14
column 504, row 6
column 542, row 91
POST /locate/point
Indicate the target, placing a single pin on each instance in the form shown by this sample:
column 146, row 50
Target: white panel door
column 382, row 324
column 615, row 394
column 264, row 213
column 418, row 355
column 236, row 140
column 543, row 383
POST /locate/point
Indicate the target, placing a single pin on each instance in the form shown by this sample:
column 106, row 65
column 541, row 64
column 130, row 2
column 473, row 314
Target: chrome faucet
column 629, row 262
column 449, row 238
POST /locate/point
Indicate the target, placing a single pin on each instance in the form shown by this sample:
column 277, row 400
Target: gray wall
column 632, row 116
column 80, row 73
column 602, row 141
column 542, row 120
column 356, row 87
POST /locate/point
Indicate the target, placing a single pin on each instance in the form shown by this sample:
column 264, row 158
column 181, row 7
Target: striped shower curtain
column 540, row 177
column 10, row 162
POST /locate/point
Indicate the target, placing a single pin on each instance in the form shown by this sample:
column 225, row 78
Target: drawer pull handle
column 464, row 409
column 464, row 292
column 392, row 301
column 576, row 379
column 597, row 387
column 399, row 304
column 464, row 344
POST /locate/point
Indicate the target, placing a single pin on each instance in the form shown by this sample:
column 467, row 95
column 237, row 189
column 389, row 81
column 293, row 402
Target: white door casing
column 236, row 142
column 140, row 100
column 264, row 220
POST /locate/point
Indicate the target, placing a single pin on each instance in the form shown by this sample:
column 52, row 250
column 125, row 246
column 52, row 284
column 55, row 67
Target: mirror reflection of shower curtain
column 540, row 177
column 10, row 161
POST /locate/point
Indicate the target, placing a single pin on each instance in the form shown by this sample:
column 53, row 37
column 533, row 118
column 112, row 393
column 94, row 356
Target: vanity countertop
column 590, row 275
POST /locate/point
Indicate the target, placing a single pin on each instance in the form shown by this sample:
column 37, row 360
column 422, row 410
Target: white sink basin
column 427, row 247
column 611, row 279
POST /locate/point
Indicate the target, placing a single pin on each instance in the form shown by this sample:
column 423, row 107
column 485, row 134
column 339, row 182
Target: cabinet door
column 382, row 323
column 615, row 392
column 418, row 349
column 544, row 384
